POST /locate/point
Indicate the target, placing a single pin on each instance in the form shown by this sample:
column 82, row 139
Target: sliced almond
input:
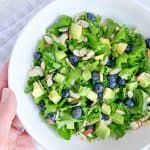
column 115, row 71
column 134, row 125
column 89, row 55
column 83, row 23
column 49, row 80
column 62, row 39
column 130, row 94
column 63, row 29
column 48, row 39
column 36, row 71
column 43, row 65
column 148, row 53
column 145, row 123
column 74, row 95
column 120, row 112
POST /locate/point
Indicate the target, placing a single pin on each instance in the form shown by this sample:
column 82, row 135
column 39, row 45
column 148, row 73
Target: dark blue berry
column 37, row 55
column 100, row 96
column 147, row 41
column 51, row 116
column 110, row 61
column 112, row 85
column 73, row 59
column 99, row 88
column 91, row 17
column 41, row 105
column 65, row 93
column 95, row 76
column 129, row 102
column 105, row 117
column 77, row 112
column 121, row 81
column 129, row 48
column 113, row 78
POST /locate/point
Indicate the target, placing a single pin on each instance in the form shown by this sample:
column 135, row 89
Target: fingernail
column 5, row 95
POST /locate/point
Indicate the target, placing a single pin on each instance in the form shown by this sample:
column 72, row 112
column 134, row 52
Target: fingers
column 13, row 135
column 7, row 112
column 17, row 124
column 4, row 77
column 25, row 142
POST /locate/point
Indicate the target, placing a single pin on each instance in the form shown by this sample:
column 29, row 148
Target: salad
column 91, row 77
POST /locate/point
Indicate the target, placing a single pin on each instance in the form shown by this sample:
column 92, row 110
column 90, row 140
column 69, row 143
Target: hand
column 12, row 137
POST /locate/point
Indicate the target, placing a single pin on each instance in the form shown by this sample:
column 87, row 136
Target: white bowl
column 123, row 11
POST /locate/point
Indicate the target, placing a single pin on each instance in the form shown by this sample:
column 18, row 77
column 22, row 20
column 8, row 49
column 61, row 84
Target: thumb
column 7, row 111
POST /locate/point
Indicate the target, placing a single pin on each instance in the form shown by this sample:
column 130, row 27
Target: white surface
column 122, row 11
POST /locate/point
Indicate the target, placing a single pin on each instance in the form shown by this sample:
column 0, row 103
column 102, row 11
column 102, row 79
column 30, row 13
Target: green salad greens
column 91, row 77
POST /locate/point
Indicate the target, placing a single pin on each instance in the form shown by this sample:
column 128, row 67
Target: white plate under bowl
column 122, row 11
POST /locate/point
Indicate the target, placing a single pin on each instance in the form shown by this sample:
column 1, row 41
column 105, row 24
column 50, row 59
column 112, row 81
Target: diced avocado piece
column 131, row 86
column 63, row 70
column 60, row 55
column 102, row 132
column 70, row 125
column 106, row 109
column 92, row 96
column 38, row 91
column 119, row 48
column 105, row 41
column 100, row 57
column 56, row 65
column 83, row 91
column 76, row 31
column 109, row 94
column 86, row 75
column 117, row 118
column 59, row 78
column 54, row 96
column 144, row 79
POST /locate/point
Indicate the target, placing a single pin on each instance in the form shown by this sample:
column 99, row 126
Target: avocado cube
column 59, row 78
column 102, row 132
column 54, row 96
column 76, row 31
column 92, row 96
column 106, row 109
column 117, row 118
column 86, row 75
column 60, row 55
column 70, row 125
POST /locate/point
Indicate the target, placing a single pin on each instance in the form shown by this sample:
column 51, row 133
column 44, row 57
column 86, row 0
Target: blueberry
column 112, row 85
column 129, row 102
column 37, row 55
column 91, row 17
column 77, row 112
column 121, row 81
column 129, row 48
column 100, row 96
column 147, row 41
column 65, row 93
column 99, row 87
column 113, row 78
column 51, row 116
column 110, row 61
column 73, row 59
column 95, row 76
column 41, row 105
column 105, row 117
